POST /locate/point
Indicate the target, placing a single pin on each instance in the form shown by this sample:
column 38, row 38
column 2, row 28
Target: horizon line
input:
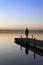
column 20, row 31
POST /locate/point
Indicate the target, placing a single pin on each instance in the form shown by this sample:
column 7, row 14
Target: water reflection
column 11, row 55
column 28, row 47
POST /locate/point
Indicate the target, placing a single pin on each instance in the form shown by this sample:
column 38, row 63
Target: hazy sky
column 16, row 14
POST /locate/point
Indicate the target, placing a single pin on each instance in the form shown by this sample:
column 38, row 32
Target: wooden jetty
column 33, row 42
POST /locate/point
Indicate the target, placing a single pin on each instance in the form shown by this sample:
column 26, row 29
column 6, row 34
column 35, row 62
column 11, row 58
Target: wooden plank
column 30, row 46
column 38, row 43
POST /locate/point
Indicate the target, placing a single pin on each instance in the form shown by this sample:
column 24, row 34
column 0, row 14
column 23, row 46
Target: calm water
column 11, row 53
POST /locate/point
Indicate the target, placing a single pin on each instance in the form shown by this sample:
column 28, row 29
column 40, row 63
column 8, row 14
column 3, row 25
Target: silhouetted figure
column 26, row 32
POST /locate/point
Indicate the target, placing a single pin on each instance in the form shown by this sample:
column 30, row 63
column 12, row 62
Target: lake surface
column 11, row 53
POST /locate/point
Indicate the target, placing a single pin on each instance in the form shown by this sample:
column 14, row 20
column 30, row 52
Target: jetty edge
column 32, row 42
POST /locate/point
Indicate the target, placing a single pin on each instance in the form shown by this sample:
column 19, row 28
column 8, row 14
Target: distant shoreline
column 20, row 31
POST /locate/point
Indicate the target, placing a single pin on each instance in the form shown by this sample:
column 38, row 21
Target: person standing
column 26, row 32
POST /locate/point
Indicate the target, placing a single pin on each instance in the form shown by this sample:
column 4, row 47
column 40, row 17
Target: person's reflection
column 34, row 54
column 26, row 51
column 27, row 48
column 34, row 47
column 21, row 48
